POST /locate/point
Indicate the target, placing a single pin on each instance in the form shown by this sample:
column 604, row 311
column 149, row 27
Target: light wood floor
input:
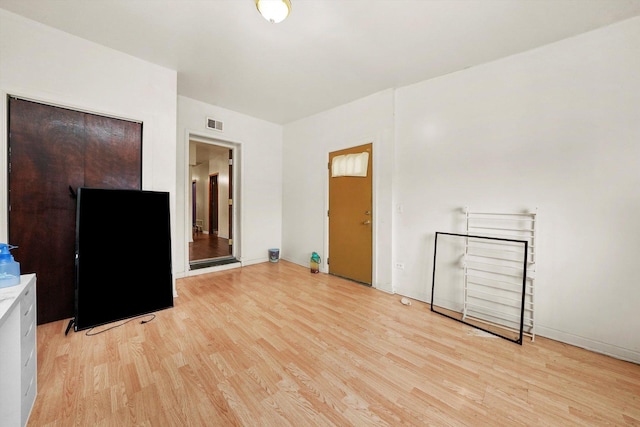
column 274, row 345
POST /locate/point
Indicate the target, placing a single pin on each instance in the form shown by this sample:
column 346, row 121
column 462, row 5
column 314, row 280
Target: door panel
column 351, row 221
column 53, row 149
column 213, row 204
column 230, row 202
column 103, row 167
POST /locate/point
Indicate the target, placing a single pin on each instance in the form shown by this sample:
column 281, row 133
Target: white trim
column 4, row 172
column 255, row 261
column 589, row 344
column 236, row 220
column 66, row 105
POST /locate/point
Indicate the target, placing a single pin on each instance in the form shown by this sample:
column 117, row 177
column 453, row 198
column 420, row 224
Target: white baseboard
column 420, row 296
column 254, row 261
column 386, row 287
column 301, row 263
column 554, row 334
column 589, row 344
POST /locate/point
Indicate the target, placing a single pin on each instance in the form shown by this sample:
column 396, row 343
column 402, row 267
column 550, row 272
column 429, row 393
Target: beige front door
column 351, row 220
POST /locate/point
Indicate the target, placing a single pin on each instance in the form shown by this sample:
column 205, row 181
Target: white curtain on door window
column 350, row 165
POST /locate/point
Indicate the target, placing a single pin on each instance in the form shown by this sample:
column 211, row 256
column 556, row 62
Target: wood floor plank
column 273, row 345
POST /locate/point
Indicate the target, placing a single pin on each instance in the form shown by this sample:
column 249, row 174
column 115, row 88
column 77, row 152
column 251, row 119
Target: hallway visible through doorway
column 211, row 204
column 207, row 246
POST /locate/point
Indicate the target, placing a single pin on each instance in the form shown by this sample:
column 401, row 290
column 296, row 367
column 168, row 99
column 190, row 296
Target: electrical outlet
column 399, row 266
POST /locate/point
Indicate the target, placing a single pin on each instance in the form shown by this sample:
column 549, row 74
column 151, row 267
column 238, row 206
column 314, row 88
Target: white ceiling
column 328, row 52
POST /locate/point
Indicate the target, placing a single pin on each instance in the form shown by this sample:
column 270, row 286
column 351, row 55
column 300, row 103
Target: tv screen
column 123, row 255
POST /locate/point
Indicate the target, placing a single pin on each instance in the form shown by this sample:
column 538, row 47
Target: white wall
column 557, row 128
column 308, row 143
column 258, row 183
column 47, row 65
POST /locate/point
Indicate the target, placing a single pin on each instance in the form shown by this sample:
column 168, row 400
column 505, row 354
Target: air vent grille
column 214, row 124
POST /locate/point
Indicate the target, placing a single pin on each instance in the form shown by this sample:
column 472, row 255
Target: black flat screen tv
column 123, row 255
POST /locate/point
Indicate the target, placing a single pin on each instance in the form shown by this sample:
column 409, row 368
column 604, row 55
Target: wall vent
column 214, row 124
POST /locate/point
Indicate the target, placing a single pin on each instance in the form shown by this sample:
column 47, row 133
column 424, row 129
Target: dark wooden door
column 52, row 152
column 213, row 204
column 230, row 202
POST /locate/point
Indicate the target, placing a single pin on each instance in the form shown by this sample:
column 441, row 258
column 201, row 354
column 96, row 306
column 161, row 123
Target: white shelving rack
column 493, row 269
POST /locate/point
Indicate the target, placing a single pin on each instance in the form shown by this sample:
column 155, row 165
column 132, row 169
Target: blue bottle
column 9, row 268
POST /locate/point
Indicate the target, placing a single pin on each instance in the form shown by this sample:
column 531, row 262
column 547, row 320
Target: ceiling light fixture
column 274, row 11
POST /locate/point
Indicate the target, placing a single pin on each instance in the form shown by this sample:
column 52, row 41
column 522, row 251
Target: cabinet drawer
column 28, row 308
column 29, row 295
column 28, row 343
column 28, row 399
column 28, row 369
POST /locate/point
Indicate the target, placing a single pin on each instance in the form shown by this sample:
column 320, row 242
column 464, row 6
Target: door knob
column 367, row 222
column 367, row 212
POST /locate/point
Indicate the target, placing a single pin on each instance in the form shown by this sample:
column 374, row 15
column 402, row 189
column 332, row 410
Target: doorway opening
column 211, row 204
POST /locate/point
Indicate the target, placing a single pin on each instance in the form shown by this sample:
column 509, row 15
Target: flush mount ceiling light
column 274, row 11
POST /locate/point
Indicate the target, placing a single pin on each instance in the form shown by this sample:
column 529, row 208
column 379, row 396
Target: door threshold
column 352, row 280
column 213, row 262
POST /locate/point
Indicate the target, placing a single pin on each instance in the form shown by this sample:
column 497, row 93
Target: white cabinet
column 18, row 355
